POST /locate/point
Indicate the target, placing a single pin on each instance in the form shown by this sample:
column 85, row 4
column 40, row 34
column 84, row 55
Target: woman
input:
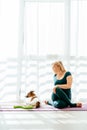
column 61, row 96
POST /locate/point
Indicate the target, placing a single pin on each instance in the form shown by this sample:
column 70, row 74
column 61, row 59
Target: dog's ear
column 31, row 92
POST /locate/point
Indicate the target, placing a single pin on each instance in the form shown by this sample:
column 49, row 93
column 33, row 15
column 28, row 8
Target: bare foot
column 79, row 104
column 46, row 102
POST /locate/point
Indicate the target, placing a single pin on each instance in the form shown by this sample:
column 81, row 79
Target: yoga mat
column 44, row 107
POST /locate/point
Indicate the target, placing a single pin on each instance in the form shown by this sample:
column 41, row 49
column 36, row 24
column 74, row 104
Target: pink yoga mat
column 4, row 108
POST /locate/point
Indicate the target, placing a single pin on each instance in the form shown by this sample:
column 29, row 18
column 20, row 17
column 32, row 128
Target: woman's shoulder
column 68, row 73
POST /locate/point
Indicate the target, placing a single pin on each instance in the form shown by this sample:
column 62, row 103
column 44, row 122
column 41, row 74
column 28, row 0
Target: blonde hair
column 59, row 64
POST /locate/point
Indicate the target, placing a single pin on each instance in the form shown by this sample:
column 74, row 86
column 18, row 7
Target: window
column 44, row 28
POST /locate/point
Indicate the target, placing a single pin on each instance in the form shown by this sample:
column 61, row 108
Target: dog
column 32, row 99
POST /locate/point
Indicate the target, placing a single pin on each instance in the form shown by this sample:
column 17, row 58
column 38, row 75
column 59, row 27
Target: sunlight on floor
column 42, row 120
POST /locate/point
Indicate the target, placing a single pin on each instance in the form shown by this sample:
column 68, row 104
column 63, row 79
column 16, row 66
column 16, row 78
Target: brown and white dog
column 32, row 99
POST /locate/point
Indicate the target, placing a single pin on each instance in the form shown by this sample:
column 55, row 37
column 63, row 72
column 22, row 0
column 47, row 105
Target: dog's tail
column 37, row 104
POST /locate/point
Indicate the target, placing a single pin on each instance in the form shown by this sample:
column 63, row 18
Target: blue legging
column 60, row 99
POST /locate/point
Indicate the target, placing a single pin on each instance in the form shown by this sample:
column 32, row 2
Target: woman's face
column 56, row 68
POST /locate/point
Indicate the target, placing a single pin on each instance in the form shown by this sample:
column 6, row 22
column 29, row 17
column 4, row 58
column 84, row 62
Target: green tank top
column 63, row 80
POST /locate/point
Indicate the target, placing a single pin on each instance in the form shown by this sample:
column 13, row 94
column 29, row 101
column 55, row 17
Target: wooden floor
column 50, row 120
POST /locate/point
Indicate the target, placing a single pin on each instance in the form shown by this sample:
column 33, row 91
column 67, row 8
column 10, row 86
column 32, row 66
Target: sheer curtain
column 9, row 42
column 44, row 30
column 35, row 33
column 78, row 48
column 55, row 30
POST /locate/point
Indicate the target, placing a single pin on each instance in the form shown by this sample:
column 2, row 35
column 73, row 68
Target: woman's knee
column 54, row 97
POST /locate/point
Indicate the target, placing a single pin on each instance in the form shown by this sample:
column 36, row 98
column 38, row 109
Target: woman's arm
column 64, row 86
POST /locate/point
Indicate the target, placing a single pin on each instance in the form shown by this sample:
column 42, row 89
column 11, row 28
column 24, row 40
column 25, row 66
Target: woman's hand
column 54, row 89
